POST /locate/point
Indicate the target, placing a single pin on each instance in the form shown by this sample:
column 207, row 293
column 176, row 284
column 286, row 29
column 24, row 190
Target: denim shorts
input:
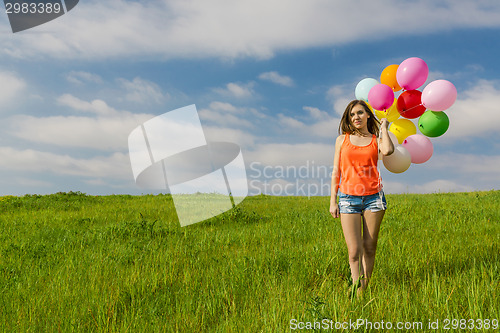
column 354, row 204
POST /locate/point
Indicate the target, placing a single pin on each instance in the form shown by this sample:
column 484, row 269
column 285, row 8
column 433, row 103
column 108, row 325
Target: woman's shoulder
column 340, row 140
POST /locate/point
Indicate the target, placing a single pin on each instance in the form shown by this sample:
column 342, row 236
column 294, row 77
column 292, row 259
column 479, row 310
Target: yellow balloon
column 391, row 114
column 403, row 128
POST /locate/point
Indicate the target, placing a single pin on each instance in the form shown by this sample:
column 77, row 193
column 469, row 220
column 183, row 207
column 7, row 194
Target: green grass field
column 72, row 262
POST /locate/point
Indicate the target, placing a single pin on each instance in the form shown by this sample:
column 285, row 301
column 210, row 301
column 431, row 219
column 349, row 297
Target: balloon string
column 416, row 106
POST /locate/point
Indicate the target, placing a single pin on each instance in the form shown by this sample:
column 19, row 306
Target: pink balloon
column 420, row 148
column 439, row 95
column 381, row 97
column 412, row 73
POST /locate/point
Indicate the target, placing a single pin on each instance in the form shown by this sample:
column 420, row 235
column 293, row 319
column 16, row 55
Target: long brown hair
column 346, row 125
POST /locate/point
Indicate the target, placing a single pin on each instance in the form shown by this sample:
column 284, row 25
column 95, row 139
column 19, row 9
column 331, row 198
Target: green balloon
column 433, row 123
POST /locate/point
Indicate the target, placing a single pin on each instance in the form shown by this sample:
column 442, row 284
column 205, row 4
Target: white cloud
column 223, row 119
column 225, row 122
column 98, row 107
column 393, row 187
column 275, row 77
column 222, row 106
column 338, row 96
column 142, row 91
column 12, row 85
column 237, row 90
column 115, row 166
column 289, row 123
column 28, row 182
column 447, row 172
column 441, row 185
column 476, row 113
column 323, row 125
column 108, row 134
column 475, row 167
column 433, row 186
column 109, row 130
column 292, row 154
column 81, row 77
column 316, row 113
column 230, row 29
column 225, row 114
column 241, row 138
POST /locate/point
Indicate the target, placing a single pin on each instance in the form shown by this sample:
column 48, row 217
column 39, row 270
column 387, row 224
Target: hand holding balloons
column 384, row 123
column 427, row 106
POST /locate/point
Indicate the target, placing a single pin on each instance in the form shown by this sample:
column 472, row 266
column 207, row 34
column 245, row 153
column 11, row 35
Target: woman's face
column 359, row 117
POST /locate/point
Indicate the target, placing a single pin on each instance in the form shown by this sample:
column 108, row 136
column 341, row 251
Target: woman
column 362, row 202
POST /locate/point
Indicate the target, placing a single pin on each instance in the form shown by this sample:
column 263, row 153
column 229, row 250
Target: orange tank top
column 358, row 168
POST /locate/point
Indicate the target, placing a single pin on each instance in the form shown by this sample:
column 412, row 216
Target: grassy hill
column 73, row 262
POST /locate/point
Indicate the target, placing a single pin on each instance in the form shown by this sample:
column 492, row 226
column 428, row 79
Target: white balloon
column 399, row 161
column 363, row 88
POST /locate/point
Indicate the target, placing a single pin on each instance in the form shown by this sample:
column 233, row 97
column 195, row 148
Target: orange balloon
column 388, row 77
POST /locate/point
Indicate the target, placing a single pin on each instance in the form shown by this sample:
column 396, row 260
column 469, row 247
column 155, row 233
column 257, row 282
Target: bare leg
column 371, row 228
column 351, row 225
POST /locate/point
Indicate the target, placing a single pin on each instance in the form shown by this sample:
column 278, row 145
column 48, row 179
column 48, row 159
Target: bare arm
column 334, row 208
column 386, row 146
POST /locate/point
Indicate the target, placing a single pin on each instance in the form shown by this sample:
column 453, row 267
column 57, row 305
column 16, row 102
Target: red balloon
column 410, row 104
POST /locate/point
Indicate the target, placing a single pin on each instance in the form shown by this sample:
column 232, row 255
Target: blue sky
column 271, row 76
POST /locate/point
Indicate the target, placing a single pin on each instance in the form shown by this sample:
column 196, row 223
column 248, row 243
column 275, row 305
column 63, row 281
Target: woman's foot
column 354, row 289
column 360, row 292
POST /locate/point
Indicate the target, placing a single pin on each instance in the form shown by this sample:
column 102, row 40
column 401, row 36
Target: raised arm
column 386, row 146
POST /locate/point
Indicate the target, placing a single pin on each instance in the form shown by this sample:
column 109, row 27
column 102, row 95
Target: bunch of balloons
column 426, row 105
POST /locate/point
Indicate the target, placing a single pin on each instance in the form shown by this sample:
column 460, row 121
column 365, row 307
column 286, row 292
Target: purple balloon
column 412, row 73
column 381, row 97
column 439, row 95
column 419, row 147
